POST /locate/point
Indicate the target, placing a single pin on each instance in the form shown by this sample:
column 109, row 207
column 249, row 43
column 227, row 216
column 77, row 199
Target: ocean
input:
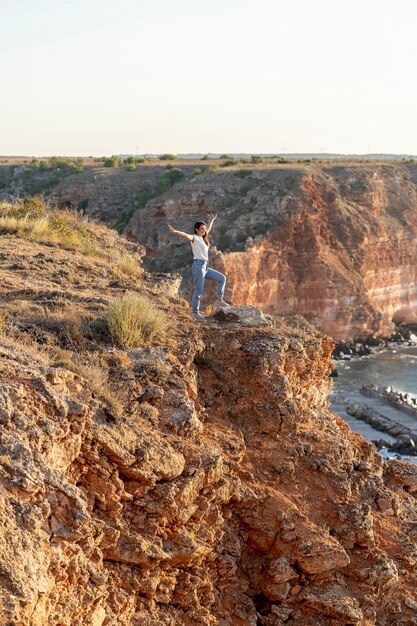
column 395, row 366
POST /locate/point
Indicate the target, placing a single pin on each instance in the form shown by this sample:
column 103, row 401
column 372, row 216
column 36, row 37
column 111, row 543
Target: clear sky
column 103, row 77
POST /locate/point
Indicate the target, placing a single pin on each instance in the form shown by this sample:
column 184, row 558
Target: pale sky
column 101, row 77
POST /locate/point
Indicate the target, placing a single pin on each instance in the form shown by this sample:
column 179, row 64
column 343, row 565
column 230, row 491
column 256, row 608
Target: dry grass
column 128, row 265
column 33, row 219
column 3, row 317
column 134, row 321
column 96, row 379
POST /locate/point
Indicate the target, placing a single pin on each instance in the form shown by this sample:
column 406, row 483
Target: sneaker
column 198, row 317
column 220, row 303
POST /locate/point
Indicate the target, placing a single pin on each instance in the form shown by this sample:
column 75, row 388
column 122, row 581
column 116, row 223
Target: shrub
column 167, row 157
column 256, row 159
column 205, row 358
column 131, row 167
column 229, row 162
column 134, row 321
column 197, row 172
column 243, row 173
column 111, row 162
column 224, row 156
column 83, row 204
column 169, row 178
column 224, row 242
column 129, row 265
column 211, row 167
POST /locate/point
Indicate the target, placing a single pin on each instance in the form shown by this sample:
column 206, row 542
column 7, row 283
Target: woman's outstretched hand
column 171, row 228
column 211, row 216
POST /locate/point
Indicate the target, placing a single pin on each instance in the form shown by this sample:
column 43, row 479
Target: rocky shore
column 345, row 350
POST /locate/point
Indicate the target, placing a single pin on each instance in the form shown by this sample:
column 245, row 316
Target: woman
column 200, row 245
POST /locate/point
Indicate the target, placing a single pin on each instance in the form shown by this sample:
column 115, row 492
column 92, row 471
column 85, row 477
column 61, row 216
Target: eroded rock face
column 334, row 244
column 228, row 494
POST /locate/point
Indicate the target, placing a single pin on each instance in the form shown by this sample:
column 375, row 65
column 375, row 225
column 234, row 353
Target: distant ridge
column 216, row 155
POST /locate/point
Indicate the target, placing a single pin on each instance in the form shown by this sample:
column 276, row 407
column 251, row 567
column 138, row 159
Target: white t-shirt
column 200, row 248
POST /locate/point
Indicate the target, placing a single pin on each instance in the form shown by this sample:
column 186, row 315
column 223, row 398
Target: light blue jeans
column 200, row 273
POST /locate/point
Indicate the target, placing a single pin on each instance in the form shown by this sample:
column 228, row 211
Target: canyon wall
column 334, row 244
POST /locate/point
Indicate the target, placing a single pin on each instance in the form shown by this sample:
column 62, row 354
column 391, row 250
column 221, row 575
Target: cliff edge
column 197, row 480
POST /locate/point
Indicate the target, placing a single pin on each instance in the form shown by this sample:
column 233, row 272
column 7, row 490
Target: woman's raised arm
column 211, row 217
column 180, row 233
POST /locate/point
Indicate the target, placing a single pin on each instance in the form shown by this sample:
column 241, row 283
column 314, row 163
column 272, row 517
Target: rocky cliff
column 199, row 480
column 335, row 244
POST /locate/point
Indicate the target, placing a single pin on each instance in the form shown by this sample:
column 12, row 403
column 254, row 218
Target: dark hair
column 205, row 237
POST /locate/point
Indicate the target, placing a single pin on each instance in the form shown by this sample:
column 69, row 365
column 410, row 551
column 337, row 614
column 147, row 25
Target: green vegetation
column 40, row 175
column 171, row 176
column 134, row 321
column 256, row 159
column 224, row 242
column 57, row 163
column 83, row 204
column 111, row 162
column 243, row 173
column 244, row 190
column 229, row 162
column 131, row 167
column 197, row 171
column 167, row 157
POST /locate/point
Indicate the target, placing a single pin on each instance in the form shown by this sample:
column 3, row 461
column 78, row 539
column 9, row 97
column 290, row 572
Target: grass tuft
column 134, row 321
column 127, row 264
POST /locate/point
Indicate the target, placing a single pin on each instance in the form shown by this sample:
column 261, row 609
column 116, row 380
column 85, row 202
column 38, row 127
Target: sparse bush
column 211, row 167
column 224, row 156
column 169, row 178
column 229, row 162
column 129, row 265
column 243, row 173
column 223, row 242
column 167, row 157
column 205, row 358
column 256, row 159
column 96, row 378
column 197, row 171
column 111, row 162
column 134, row 321
column 83, row 204
column 131, row 167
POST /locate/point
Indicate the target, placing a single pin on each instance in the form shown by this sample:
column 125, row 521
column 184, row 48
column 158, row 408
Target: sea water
column 395, row 365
